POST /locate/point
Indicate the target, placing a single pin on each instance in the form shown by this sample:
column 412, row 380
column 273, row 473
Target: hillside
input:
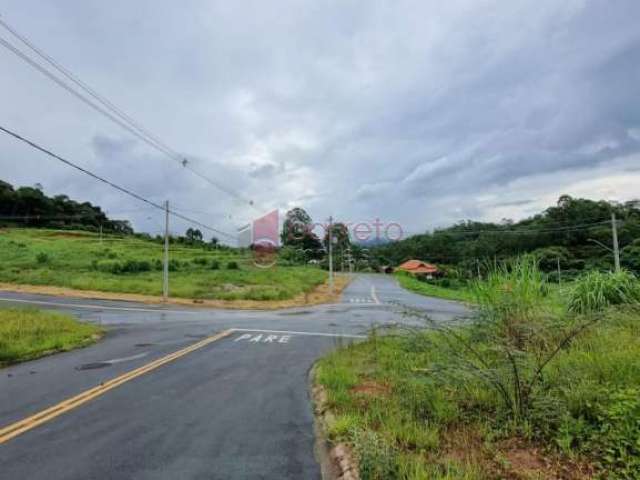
column 126, row 264
column 576, row 232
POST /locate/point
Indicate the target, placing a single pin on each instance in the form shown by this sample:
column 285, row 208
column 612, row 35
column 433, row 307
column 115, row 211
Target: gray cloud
column 418, row 112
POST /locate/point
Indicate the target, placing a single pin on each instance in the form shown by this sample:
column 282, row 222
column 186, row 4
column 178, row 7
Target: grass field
column 462, row 294
column 81, row 260
column 26, row 334
column 468, row 402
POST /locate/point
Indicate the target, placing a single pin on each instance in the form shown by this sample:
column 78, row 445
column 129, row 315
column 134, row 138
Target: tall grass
column 529, row 368
column 30, row 333
column 595, row 291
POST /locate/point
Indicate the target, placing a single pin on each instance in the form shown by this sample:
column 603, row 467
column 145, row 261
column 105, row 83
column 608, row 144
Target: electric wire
column 112, row 184
column 110, row 110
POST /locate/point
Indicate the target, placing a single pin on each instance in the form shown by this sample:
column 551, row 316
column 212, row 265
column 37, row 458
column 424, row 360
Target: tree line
column 574, row 234
column 31, row 207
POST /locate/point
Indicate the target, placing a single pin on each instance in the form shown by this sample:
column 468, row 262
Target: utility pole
column 101, row 234
column 616, row 249
column 559, row 274
column 331, row 255
column 165, row 270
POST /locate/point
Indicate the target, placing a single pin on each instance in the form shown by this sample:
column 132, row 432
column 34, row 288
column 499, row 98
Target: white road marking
column 289, row 332
column 96, row 307
column 127, row 359
column 374, row 296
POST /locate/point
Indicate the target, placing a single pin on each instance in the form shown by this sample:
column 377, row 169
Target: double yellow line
column 26, row 424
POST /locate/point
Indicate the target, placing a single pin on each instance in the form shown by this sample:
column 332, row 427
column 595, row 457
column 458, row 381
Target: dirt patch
column 513, row 459
column 372, row 389
column 321, row 294
column 520, row 460
column 337, row 460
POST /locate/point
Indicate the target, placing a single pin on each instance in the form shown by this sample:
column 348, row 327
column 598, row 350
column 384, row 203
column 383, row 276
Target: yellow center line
column 26, row 424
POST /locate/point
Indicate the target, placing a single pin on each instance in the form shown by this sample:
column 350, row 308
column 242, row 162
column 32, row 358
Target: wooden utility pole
column 330, row 237
column 616, row 249
column 165, row 269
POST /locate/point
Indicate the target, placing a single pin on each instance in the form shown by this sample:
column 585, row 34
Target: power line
column 110, row 110
column 515, row 231
column 110, row 183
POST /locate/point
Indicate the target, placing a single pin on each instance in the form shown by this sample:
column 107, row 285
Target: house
column 420, row 268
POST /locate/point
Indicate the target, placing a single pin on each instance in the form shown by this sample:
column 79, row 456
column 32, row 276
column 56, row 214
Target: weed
column 595, row 291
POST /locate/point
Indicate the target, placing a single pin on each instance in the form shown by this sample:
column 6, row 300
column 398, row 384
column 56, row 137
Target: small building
column 420, row 268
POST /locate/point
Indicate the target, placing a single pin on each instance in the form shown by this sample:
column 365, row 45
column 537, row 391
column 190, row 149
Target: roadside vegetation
column 569, row 238
column 538, row 385
column 86, row 260
column 442, row 288
column 26, row 334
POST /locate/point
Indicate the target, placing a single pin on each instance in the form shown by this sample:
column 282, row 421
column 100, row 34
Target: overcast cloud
column 418, row 112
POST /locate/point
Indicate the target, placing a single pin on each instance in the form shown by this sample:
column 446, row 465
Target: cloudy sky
column 417, row 112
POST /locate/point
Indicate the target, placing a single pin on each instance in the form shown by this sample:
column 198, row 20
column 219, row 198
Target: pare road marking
column 292, row 333
column 262, row 338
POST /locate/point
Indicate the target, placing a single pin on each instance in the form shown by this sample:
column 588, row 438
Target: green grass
column 452, row 402
column 79, row 260
column 26, row 334
column 409, row 282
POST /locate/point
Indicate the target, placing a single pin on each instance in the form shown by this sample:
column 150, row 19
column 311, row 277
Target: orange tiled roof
column 418, row 266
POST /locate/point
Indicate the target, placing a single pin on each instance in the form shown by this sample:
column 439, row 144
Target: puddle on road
column 93, row 366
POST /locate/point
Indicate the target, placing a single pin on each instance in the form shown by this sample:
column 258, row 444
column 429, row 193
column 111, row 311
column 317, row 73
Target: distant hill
column 30, row 207
column 575, row 231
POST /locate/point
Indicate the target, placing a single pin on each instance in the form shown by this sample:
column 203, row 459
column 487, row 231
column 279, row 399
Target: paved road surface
column 236, row 408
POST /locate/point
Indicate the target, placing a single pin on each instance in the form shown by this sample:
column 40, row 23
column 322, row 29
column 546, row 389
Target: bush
column 109, row 266
column 42, row 258
column 233, row 265
column 617, row 438
column 200, row 261
column 117, row 268
column 596, row 291
column 215, row 265
column 135, row 266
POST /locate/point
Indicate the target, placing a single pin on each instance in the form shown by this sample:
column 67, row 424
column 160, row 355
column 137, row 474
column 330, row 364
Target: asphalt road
column 235, row 408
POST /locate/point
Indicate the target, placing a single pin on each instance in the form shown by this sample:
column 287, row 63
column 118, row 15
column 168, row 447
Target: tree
column 297, row 225
column 214, row 241
column 193, row 235
column 340, row 235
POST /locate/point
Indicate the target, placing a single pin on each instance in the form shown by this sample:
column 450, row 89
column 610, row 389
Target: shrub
column 200, row 261
column 109, row 266
column 42, row 258
column 596, row 291
column 233, row 265
column 117, row 268
column 135, row 266
column 215, row 265
column 617, row 438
